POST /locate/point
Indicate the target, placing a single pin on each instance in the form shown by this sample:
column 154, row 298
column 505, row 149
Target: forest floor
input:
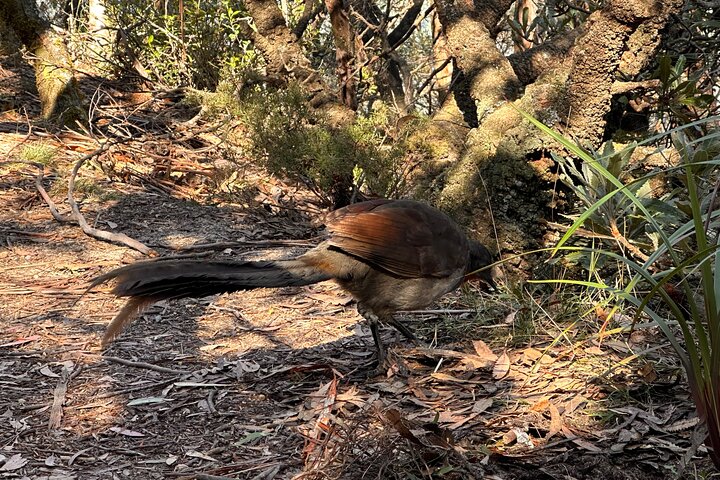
column 279, row 383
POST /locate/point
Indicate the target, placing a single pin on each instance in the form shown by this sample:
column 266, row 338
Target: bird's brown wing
column 406, row 238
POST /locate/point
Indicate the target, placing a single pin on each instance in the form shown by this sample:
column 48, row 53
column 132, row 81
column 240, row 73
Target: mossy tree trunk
column 286, row 60
column 492, row 166
column 57, row 87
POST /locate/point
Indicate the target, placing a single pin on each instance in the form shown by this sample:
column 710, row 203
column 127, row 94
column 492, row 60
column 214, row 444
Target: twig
column 623, row 87
column 76, row 215
column 437, row 70
column 41, row 190
column 206, row 476
column 439, row 352
column 225, row 468
column 309, row 13
column 125, row 391
column 385, row 53
column 624, row 242
column 148, row 366
column 441, row 311
column 26, row 233
column 56, row 411
column 94, row 232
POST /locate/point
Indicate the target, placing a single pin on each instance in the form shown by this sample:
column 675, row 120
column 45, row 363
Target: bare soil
column 280, row 383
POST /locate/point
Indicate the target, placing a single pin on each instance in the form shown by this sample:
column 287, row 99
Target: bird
column 390, row 255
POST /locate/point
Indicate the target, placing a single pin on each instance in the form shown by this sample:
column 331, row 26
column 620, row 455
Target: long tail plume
column 151, row 281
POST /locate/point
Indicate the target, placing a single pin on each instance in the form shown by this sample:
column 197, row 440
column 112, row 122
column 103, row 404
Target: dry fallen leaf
column 648, row 373
column 483, row 351
column 47, row 371
column 147, row 401
column 502, row 366
column 126, row 432
column 523, row 438
column 21, row 341
column 395, row 418
column 196, row 454
column 14, row 463
column 574, row 402
column 541, row 405
column 556, row 422
column 509, row 437
column 532, row 354
column 482, row 405
column 584, row 444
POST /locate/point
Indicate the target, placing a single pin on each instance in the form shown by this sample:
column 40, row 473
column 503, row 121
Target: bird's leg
column 381, row 357
column 373, row 320
column 402, row 328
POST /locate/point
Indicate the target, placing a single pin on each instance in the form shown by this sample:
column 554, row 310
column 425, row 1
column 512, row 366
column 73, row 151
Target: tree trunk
column 501, row 173
column 57, row 87
column 344, row 52
column 286, row 60
column 101, row 37
column 622, row 32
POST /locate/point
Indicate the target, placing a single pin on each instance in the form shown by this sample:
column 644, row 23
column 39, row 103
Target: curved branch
column 41, row 190
column 76, row 216
column 406, row 25
column 312, row 10
column 94, row 232
column 529, row 64
column 490, row 12
column 486, row 71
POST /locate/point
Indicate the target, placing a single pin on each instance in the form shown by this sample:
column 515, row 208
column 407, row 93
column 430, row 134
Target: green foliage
column 291, row 139
column 679, row 274
column 207, row 47
column 38, row 152
column 223, row 101
column 680, row 92
column 618, row 216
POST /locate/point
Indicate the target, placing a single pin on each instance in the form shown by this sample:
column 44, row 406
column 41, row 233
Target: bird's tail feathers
column 155, row 280
column 169, row 279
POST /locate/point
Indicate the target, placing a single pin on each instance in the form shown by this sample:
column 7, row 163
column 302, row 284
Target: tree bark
column 500, row 173
column 622, row 32
column 286, row 60
column 60, row 98
column 490, row 77
column 344, row 37
column 530, row 64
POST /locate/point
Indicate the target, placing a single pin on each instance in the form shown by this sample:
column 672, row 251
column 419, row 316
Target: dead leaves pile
column 449, row 413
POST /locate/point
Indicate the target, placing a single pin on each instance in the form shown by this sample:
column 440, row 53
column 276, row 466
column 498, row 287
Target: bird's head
column 480, row 258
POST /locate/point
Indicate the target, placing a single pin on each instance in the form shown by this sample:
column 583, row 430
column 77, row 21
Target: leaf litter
column 275, row 383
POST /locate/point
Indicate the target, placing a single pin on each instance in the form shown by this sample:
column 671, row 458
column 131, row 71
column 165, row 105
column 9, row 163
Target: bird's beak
column 486, row 279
